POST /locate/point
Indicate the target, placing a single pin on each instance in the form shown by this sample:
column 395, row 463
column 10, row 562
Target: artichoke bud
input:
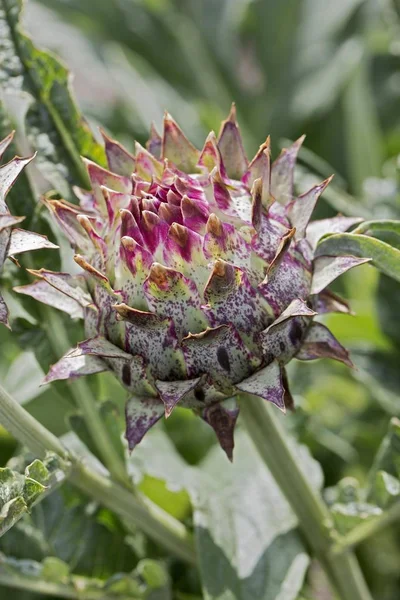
column 198, row 278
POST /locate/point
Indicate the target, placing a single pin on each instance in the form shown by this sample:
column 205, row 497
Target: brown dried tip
column 232, row 114
column 283, row 247
column 220, row 268
column 256, row 203
column 158, row 275
column 89, row 268
column 179, row 234
column 150, row 219
column 214, row 225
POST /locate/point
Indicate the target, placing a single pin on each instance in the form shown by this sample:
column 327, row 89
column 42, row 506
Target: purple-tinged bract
column 13, row 241
column 198, row 279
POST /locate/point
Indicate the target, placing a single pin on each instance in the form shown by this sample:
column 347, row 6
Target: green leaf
column 245, row 530
column 18, row 492
column 348, row 516
column 53, row 122
column 24, row 389
column 386, row 489
column 384, row 257
column 387, row 303
column 386, row 230
column 52, row 577
column 388, row 456
column 77, row 535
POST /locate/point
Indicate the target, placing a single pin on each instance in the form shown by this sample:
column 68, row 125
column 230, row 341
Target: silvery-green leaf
column 245, row 529
column 19, row 492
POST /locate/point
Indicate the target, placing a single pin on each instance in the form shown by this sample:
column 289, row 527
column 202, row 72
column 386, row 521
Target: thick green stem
column 313, row 515
column 138, row 512
column 141, row 512
column 87, row 404
column 26, row 429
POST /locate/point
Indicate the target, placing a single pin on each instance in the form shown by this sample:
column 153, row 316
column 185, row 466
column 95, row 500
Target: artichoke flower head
column 198, row 277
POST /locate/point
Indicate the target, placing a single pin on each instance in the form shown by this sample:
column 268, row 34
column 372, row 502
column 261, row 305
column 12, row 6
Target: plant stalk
column 138, row 512
column 26, row 429
column 314, row 518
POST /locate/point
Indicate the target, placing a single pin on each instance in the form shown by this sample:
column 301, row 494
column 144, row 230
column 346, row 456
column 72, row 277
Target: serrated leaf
column 245, row 530
column 54, row 125
column 19, row 492
column 89, row 539
column 384, row 257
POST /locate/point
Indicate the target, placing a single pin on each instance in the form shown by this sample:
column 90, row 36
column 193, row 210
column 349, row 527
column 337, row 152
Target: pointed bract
column 47, row 294
column 177, row 148
column 8, row 220
column 120, row 161
column 284, row 336
column 301, row 208
column 141, row 414
column 172, row 392
column 231, row 147
column 210, row 157
column 282, row 173
column 3, row 312
column 327, row 302
column 70, row 368
column 260, row 168
column 328, row 268
column 8, row 175
column 26, row 241
column 154, row 142
column 267, row 384
column 222, row 417
column 5, row 143
column 319, row 342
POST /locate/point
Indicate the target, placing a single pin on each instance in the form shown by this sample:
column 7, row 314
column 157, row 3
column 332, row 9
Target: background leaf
column 245, row 531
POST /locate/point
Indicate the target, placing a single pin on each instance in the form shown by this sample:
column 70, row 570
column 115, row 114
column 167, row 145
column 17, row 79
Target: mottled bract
column 13, row 240
column 198, row 276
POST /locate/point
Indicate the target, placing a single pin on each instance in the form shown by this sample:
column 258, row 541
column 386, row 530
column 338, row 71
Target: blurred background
column 329, row 69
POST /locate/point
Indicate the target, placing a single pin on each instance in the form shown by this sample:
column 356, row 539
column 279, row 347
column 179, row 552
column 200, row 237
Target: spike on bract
column 13, row 241
column 199, row 278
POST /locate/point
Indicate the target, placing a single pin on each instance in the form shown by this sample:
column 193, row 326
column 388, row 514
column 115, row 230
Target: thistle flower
column 13, row 241
column 198, row 278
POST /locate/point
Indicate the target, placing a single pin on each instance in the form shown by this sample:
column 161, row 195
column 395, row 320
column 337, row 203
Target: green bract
column 13, row 240
column 198, row 276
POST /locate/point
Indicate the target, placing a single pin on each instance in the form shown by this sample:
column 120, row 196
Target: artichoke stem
column 136, row 512
column 314, row 518
column 26, row 429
